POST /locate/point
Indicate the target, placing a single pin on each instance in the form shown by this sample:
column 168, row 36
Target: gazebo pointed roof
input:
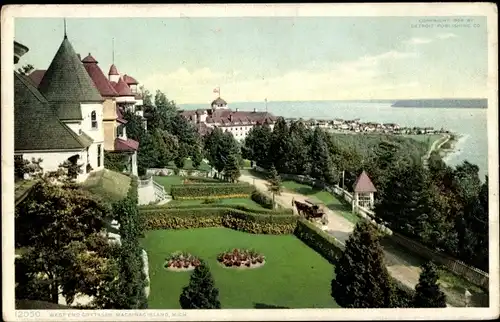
column 363, row 184
column 67, row 84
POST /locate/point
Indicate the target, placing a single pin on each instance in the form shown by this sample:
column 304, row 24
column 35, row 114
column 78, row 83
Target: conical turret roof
column 66, row 83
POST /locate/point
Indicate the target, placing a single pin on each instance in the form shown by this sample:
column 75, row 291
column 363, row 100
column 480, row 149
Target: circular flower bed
column 241, row 258
column 181, row 261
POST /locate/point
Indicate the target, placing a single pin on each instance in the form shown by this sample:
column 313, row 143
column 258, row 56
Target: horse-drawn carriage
column 311, row 209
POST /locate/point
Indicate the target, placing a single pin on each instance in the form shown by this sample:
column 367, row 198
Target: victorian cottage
column 61, row 119
column 104, row 124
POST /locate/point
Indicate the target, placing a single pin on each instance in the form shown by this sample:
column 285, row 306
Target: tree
column 220, row 145
column 406, row 203
column 321, row 163
column 232, row 169
column 147, row 155
column 427, row 292
column 24, row 167
column 257, row 145
column 361, row 277
column 274, row 184
column 135, row 128
column 147, row 97
column 59, row 226
column 297, row 157
column 201, row 292
column 280, row 145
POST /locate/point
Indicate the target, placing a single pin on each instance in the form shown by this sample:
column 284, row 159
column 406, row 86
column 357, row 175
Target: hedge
column 202, row 179
column 202, row 191
column 183, row 218
column 325, row 245
column 262, row 199
column 242, row 207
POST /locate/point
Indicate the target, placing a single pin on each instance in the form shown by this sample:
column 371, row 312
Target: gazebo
column 364, row 191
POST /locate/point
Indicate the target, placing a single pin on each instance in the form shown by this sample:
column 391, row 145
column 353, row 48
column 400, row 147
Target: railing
column 472, row 274
column 160, row 193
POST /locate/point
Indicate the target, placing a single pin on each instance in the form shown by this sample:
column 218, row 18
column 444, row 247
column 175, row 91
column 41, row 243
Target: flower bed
column 181, row 261
column 241, row 258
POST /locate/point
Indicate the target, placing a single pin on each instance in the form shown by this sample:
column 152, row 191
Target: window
column 99, row 155
column 93, row 119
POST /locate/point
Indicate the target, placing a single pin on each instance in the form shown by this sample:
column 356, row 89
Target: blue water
column 470, row 123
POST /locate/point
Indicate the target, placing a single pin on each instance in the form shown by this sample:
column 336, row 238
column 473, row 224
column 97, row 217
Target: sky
column 278, row 58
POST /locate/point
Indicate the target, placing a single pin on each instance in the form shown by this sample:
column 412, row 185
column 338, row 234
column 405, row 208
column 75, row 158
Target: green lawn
column 168, row 181
column 327, row 198
column 234, row 201
column 294, row 276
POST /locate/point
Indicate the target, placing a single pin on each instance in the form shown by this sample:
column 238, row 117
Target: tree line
column 443, row 207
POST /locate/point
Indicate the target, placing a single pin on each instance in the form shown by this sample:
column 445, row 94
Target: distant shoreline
column 481, row 103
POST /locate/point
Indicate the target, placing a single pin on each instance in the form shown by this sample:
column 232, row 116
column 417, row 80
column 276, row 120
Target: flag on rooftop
column 217, row 90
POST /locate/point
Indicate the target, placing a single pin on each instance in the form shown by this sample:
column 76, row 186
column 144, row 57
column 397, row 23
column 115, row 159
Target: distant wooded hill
column 443, row 103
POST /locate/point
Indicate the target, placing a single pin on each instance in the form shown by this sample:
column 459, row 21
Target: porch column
column 134, row 164
column 372, row 200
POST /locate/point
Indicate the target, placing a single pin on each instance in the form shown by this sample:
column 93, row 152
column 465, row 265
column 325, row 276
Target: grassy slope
column 294, row 276
column 110, row 185
column 330, row 200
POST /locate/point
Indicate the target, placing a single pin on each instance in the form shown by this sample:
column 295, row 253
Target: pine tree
column 319, row 154
column 362, row 280
column 231, row 168
column 427, row 292
column 405, row 204
column 201, row 292
column 280, row 145
column 274, row 184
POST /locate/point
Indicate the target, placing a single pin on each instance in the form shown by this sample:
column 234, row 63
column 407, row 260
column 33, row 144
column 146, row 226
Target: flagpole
column 266, row 104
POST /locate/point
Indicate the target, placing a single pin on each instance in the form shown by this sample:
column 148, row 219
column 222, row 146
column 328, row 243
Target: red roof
column 36, row 76
column 101, row 82
column 126, row 145
column 113, row 70
column 89, row 59
column 122, row 88
column 130, row 80
column 363, row 184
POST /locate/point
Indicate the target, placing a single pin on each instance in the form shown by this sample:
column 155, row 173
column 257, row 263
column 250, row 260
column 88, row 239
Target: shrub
column 181, row 259
column 242, row 207
column 183, row 218
column 211, row 201
column 239, row 257
column 327, row 246
column 194, row 179
column 262, row 199
column 211, row 190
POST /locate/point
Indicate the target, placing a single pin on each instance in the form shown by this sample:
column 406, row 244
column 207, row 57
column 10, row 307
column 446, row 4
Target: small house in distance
column 364, row 192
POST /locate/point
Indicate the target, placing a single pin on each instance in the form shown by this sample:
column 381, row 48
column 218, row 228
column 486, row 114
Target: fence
column 472, row 274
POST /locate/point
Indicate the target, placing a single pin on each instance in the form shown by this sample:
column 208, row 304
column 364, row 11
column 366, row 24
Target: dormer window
column 93, row 119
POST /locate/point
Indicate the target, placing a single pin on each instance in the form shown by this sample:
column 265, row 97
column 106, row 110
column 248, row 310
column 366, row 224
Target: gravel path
column 341, row 228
